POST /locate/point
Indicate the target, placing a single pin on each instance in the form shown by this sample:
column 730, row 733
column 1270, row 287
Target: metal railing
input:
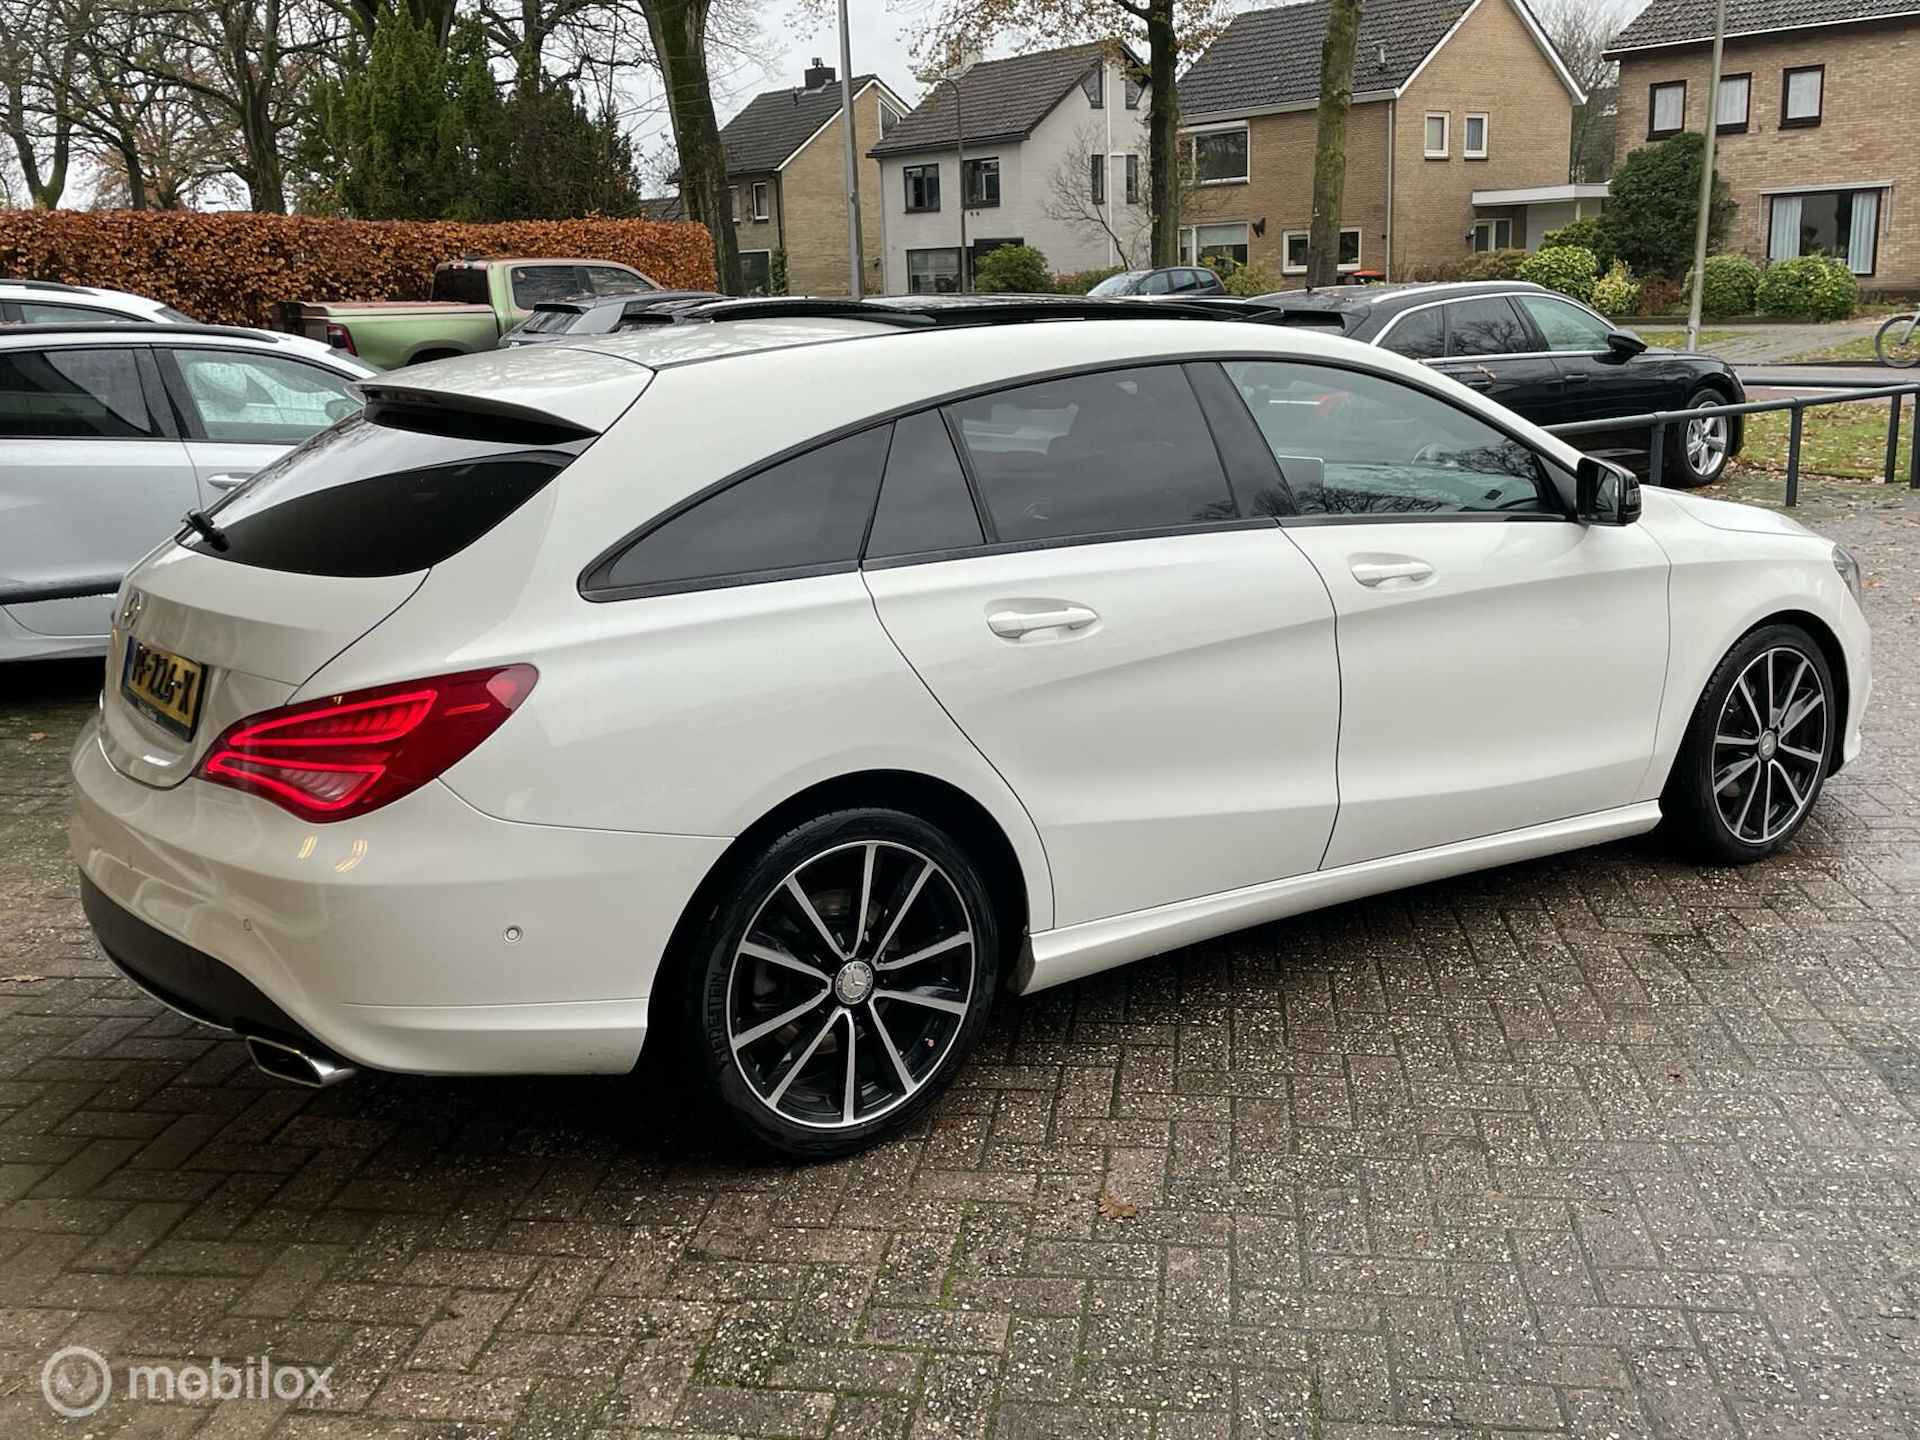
column 24, row 592
column 1657, row 422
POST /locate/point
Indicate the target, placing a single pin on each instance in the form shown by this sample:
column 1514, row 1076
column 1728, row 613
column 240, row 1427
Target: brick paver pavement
column 1598, row 1146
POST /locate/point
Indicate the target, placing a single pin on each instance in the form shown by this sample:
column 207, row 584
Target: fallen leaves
column 20, row 979
column 1112, row 1207
column 36, row 735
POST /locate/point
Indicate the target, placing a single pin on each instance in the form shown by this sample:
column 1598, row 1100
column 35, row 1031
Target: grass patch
column 1677, row 339
column 1848, row 441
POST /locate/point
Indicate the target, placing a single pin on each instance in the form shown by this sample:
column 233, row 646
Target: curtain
column 1783, row 241
column 1866, row 223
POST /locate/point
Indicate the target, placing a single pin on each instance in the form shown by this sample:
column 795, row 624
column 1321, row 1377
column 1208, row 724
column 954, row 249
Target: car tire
column 1756, row 751
column 1698, row 450
column 814, row 1033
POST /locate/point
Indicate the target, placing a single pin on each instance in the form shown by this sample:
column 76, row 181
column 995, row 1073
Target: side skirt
column 1054, row 957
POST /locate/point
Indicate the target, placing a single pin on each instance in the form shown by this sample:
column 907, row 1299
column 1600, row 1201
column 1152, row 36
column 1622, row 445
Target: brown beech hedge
column 233, row 268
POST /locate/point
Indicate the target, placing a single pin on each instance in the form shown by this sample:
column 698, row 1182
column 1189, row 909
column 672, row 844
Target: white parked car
column 52, row 302
column 782, row 689
column 110, row 434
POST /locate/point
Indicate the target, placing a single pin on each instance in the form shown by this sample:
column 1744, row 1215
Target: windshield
column 1121, row 284
column 364, row 499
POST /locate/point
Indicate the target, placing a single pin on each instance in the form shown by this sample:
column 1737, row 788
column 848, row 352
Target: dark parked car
column 602, row 314
column 1181, row 280
column 1545, row 356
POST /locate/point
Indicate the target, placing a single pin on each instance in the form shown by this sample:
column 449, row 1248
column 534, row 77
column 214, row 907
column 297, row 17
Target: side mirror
column 1624, row 344
column 1605, row 494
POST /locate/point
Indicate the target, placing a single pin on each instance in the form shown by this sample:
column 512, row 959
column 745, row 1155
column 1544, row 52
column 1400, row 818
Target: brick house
column 1056, row 153
column 1818, row 130
column 1458, row 139
column 787, row 173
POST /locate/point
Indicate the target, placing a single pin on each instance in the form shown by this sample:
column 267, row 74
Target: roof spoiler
column 469, row 417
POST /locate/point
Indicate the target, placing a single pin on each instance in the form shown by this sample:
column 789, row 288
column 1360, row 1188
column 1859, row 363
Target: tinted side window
column 93, row 393
column 612, row 280
column 810, row 511
column 1157, row 283
column 1093, row 455
column 1418, row 334
column 461, row 285
column 1487, row 327
column 534, row 283
column 1356, row 444
column 1567, row 327
column 924, row 501
column 262, row 399
column 32, row 312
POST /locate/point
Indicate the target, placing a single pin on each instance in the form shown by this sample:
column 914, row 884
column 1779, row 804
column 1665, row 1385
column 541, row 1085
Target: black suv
column 1544, row 356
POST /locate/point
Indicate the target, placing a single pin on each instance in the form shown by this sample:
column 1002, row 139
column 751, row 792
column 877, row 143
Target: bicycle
column 1898, row 342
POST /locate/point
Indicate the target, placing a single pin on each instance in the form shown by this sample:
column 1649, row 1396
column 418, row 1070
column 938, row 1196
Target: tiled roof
column 999, row 100
column 1272, row 57
column 1675, row 22
column 774, row 125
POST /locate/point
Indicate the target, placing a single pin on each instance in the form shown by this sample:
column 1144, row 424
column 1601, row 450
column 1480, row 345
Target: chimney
column 819, row 76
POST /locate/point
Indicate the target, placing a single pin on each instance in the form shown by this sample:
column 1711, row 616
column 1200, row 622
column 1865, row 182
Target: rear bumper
column 425, row 937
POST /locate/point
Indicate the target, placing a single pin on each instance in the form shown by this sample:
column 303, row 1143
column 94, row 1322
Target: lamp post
column 855, row 271
column 960, row 147
column 1706, row 178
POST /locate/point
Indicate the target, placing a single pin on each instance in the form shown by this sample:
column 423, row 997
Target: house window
column 1135, row 88
column 1438, row 123
column 733, row 202
column 760, row 211
column 1096, row 86
column 756, row 272
column 1666, row 108
column 889, row 117
column 933, row 272
column 1474, row 146
column 1222, row 247
column 1295, row 245
column 1220, row 156
column 1730, row 115
column 1133, row 179
column 923, row 187
column 981, row 183
column 1097, row 178
column 1493, row 235
column 1844, row 224
column 1801, row 94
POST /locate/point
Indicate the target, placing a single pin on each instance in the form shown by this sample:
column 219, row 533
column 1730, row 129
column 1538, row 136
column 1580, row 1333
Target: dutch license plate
column 163, row 686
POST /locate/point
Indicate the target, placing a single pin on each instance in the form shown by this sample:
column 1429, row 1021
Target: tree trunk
column 1330, row 151
column 1163, row 135
column 679, row 42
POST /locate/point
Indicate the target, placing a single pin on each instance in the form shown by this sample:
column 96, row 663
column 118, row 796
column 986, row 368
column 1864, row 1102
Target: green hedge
column 1815, row 287
column 1731, row 285
column 1567, row 268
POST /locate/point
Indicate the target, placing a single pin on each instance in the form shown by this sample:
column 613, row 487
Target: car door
column 244, row 409
column 1490, row 347
column 1151, row 671
column 1597, row 382
column 92, row 476
column 1501, row 665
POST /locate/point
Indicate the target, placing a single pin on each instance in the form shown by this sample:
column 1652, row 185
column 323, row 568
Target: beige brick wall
column 1869, row 128
column 814, row 188
column 1491, row 66
column 751, row 234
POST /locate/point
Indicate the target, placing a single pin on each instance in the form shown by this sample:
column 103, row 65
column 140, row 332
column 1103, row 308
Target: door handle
column 1379, row 572
column 227, row 482
column 1012, row 624
column 1575, row 379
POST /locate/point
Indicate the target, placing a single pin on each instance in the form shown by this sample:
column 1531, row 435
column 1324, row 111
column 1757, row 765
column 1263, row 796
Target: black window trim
column 591, row 586
column 908, row 174
column 187, row 413
column 1653, row 92
column 1740, row 126
column 1803, row 122
column 977, row 162
column 152, row 395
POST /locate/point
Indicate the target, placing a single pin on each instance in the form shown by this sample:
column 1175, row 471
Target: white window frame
column 761, row 194
column 1445, row 117
column 1286, row 237
column 733, row 202
column 1492, row 227
column 1190, row 241
column 1467, row 151
column 1192, row 137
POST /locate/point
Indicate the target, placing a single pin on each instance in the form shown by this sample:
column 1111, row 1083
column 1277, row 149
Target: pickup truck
column 474, row 302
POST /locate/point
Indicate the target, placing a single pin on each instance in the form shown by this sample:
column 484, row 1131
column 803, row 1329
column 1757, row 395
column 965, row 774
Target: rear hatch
column 316, row 550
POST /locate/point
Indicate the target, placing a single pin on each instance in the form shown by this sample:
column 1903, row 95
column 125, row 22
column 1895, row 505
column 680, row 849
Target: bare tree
column 1330, row 149
column 39, row 68
column 1581, row 31
column 679, row 31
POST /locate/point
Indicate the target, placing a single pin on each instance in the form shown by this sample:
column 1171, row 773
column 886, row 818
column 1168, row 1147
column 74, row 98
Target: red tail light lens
column 341, row 338
column 336, row 758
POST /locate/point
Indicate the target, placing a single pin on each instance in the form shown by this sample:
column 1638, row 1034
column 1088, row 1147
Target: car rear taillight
column 343, row 756
column 341, row 338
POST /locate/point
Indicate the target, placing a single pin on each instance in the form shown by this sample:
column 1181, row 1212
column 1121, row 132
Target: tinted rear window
column 462, row 286
column 366, row 499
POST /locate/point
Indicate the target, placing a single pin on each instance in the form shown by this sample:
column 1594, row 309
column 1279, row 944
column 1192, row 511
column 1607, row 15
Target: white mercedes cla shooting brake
column 781, row 687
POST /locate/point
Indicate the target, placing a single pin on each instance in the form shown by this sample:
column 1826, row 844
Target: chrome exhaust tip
column 301, row 1067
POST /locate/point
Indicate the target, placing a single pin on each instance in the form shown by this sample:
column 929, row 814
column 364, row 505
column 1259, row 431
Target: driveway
column 1601, row 1145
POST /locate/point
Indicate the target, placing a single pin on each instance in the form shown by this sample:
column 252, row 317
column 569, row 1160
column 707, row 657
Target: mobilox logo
column 77, row 1381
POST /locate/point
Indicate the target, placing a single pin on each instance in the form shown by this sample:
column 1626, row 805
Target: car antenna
column 215, row 536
